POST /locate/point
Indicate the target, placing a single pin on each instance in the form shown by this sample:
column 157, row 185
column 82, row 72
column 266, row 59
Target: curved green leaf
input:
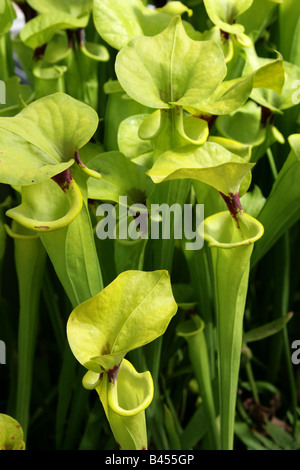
column 227, row 98
column 7, row 16
column 192, row 330
column 113, row 165
column 118, row 23
column 132, row 392
column 224, row 231
column 76, row 8
column 231, row 240
column 41, row 140
column 269, row 329
column 124, row 401
column 48, row 80
column 119, row 107
column 37, row 199
column 223, row 13
column 281, row 209
column 273, row 80
column 17, row 97
column 130, row 144
column 243, row 125
column 210, row 163
column 41, row 29
column 131, row 311
column 57, row 48
column 187, row 71
column 95, row 52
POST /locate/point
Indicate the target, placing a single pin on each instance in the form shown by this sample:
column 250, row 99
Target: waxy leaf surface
column 7, row 16
column 210, row 163
column 41, row 140
column 118, row 23
column 223, row 13
column 131, row 311
column 170, row 68
column 76, row 8
column 41, row 29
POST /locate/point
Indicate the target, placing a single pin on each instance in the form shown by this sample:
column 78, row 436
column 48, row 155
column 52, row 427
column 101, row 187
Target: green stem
column 252, row 382
column 231, row 271
column 49, row 296
column 201, row 280
column 193, row 332
column 282, row 344
column 7, row 69
column 30, row 263
column 272, row 163
column 73, row 254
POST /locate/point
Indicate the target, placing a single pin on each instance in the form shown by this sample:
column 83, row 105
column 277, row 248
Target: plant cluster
column 127, row 105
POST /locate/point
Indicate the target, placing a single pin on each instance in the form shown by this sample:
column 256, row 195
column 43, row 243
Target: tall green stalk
column 231, row 242
column 193, row 332
column 30, row 259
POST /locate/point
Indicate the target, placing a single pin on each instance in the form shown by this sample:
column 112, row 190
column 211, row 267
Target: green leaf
column 266, row 330
column 132, row 393
column 30, row 257
column 187, row 71
column 210, row 163
column 119, row 107
column 41, row 140
column 288, row 21
column 223, row 13
column 258, row 18
column 41, row 29
column 71, row 249
column 247, row 436
column 57, row 48
column 227, row 98
column 175, row 8
column 253, row 201
column 273, row 80
column 231, row 241
column 243, row 125
column 281, row 209
column 48, row 80
column 237, row 148
column 7, row 16
column 17, row 96
column 75, row 8
column 192, row 330
column 230, row 95
column 285, row 99
column 117, row 23
column 124, row 402
column 130, row 144
column 133, row 310
column 224, row 231
column 113, row 166
column 95, row 52
column 46, row 206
